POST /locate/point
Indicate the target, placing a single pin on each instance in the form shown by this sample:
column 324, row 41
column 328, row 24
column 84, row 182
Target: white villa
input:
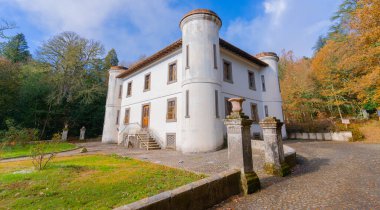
column 178, row 96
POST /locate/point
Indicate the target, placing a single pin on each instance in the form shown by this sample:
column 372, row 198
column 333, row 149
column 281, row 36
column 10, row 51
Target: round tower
column 202, row 128
column 272, row 92
column 111, row 118
column 272, row 95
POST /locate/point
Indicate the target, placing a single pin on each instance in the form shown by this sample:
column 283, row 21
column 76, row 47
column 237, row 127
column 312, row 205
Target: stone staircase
column 147, row 141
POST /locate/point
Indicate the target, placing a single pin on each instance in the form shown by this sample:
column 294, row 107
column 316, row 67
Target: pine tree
column 16, row 50
column 111, row 59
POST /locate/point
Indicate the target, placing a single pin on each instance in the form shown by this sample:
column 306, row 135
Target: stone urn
column 236, row 104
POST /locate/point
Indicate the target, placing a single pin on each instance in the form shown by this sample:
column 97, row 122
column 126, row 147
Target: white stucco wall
column 160, row 91
column 240, row 88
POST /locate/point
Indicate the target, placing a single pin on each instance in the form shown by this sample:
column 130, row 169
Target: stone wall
column 201, row 194
column 332, row 136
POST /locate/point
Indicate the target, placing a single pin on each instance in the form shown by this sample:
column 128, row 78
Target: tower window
column 227, row 71
column 117, row 117
column 187, row 104
column 263, row 83
column 129, row 89
column 120, row 91
column 187, row 57
column 147, row 82
column 266, row 111
column 251, row 80
column 215, row 60
column 216, row 104
column 172, row 72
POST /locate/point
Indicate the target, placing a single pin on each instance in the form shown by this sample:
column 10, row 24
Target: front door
column 145, row 116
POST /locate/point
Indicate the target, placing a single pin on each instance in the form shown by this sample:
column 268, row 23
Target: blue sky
column 141, row 27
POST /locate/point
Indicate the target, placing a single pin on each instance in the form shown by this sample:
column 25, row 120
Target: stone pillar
column 239, row 146
column 274, row 151
column 82, row 132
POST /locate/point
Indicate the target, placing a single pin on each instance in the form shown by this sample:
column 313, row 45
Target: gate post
column 239, row 146
column 274, row 151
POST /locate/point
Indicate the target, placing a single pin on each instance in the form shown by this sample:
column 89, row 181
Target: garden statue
column 65, row 132
column 82, row 132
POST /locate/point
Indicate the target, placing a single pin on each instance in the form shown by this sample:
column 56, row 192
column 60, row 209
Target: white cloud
column 285, row 24
column 131, row 27
column 276, row 9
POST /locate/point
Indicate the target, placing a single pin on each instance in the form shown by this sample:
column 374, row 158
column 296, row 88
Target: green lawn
column 20, row 150
column 85, row 182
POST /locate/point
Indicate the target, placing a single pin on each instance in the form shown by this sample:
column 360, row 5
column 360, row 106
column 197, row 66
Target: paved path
column 330, row 175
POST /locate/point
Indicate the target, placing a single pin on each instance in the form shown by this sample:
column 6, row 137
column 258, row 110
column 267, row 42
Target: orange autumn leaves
column 343, row 77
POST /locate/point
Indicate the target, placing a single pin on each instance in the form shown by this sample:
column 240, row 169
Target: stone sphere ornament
column 236, row 104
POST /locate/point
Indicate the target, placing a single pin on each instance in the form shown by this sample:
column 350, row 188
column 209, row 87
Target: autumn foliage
column 343, row 76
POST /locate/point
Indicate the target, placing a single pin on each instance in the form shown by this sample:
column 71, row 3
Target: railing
column 139, row 130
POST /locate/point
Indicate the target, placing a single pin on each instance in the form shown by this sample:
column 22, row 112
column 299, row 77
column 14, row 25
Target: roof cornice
column 177, row 44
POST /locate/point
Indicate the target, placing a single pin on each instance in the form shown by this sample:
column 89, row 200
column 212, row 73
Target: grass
column 24, row 150
column 85, row 182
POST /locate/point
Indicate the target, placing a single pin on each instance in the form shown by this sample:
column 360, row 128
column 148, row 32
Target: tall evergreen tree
column 16, row 50
column 111, row 59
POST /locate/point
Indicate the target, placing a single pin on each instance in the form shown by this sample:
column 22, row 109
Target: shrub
column 357, row 135
column 17, row 135
column 40, row 158
column 57, row 137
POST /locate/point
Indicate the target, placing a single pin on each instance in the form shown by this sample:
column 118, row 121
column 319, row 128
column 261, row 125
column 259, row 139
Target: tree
column 77, row 81
column 9, row 87
column 297, row 88
column 73, row 61
column 16, row 50
column 111, row 59
column 321, row 42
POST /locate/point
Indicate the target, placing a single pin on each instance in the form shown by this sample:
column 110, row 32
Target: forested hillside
column 343, row 77
column 63, row 83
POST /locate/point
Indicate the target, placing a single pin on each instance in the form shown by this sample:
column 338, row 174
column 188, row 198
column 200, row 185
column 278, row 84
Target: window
column 117, row 117
column 263, row 83
column 187, row 104
column 120, row 91
column 187, row 57
column 266, row 111
column 251, row 80
column 147, row 82
column 126, row 116
column 171, row 115
column 227, row 71
column 216, row 105
column 129, row 89
column 254, row 113
column 228, row 106
column 215, row 60
column 172, row 73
